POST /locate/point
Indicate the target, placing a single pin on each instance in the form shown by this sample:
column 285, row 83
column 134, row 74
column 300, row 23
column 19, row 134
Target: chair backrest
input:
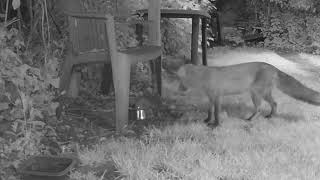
column 92, row 33
column 87, row 33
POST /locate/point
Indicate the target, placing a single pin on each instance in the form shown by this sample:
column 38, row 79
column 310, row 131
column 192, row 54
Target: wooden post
column 121, row 76
column 106, row 79
column 74, row 84
column 154, row 27
column 194, row 40
column 204, row 40
column 158, row 73
column 155, row 39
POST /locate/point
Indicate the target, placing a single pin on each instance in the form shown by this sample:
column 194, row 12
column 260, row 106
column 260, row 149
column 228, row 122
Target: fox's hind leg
column 256, row 99
column 268, row 97
column 213, row 111
column 217, row 108
column 210, row 112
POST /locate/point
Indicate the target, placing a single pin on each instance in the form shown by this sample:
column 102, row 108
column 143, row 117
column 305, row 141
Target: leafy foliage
column 291, row 31
column 176, row 33
column 27, row 108
column 307, row 5
column 289, row 24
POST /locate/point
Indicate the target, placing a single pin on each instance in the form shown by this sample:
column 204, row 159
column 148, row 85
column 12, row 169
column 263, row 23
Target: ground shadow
column 243, row 111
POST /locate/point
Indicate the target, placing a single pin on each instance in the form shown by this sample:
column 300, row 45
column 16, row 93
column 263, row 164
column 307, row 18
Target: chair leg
column 156, row 74
column 121, row 80
column 106, row 79
column 153, row 75
column 66, row 74
column 69, row 80
column 158, row 67
column 74, row 84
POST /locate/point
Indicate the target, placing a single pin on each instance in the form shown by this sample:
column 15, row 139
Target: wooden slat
column 93, row 57
column 143, row 53
column 154, row 28
column 98, row 35
column 102, row 35
column 94, row 34
column 177, row 13
column 90, row 35
column 77, row 35
column 84, row 36
column 73, row 33
column 117, row 19
column 88, row 15
column 106, row 41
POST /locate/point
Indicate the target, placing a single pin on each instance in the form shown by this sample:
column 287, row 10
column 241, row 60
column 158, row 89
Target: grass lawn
column 283, row 147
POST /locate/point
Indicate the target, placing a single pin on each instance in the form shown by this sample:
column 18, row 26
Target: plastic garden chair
column 93, row 40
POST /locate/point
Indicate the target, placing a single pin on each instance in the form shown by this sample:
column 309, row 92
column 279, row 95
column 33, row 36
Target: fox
column 257, row 78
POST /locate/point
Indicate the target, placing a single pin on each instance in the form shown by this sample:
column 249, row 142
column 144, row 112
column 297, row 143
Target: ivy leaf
column 15, row 4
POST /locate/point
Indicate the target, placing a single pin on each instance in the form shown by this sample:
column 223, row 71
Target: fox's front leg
column 210, row 114
column 214, row 110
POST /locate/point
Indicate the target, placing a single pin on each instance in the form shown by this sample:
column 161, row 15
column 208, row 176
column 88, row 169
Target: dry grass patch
column 262, row 149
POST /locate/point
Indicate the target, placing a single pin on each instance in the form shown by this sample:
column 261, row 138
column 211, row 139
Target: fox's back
column 226, row 80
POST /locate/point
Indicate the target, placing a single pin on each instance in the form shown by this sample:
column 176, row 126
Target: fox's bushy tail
column 292, row 87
